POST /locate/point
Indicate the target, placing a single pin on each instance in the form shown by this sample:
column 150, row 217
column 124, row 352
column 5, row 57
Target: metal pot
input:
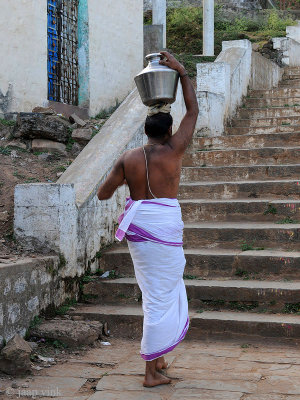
column 157, row 83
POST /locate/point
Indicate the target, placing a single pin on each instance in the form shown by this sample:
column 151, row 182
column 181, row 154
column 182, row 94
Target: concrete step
column 246, row 324
column 245, row 141
column 252, row 130
column 295, row 82
column 272, row 101
column 201, row 293
column 292, row 70
column 127, row 322
column 230, row 235
column 275, row 92
column 224, row 263
column 268, row 112
column 269, row 155
column 291, row 75
column 266, row 122
column 237, row 173
column 239, row 210
column 276, row 189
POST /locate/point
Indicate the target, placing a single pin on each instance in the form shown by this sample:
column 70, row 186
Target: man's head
column 159, row 125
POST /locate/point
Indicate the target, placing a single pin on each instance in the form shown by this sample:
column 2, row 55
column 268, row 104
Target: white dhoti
column 154, row 230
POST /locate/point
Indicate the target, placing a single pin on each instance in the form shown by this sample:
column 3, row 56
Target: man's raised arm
column 181, row 139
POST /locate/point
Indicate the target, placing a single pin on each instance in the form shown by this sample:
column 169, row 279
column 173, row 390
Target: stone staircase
column 240, row 198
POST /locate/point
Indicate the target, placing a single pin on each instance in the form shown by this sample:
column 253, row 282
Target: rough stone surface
column 76, row 149
column 40, row 125
column 15, row 356
column 43, row 110
column 18, row 144
column 48, row 145
column 27, row 286
column 74, row 119
column 72, row 333
column 82, row 136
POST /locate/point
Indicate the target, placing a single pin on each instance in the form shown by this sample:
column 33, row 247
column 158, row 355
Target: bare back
column 164, row 166
column 164, row 155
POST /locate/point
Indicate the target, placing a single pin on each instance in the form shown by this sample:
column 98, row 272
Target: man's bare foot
column 155, row 380
column 161, row 363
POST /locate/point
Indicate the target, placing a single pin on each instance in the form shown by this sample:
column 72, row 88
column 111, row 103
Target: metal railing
column 63, row 51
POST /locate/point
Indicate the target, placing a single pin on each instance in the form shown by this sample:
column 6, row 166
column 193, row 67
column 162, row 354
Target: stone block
column 82, row 136
column 15, row 356
column 18, row 144
column 74, row 119
column 71, row 333
column 37, row 125
column 48, row 145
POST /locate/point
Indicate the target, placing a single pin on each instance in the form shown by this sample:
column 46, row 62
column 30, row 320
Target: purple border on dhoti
column 153, row 356
column 142, row 236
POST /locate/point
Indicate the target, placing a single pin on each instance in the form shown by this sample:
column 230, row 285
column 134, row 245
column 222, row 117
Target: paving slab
column 280, row 385
column 270, row 397
column 77, row 370
column 129, row 383
column 192, row 394
column 212, row 371
column 46, row 386
column 216, row 384
column 273, row 357
column 113, row 395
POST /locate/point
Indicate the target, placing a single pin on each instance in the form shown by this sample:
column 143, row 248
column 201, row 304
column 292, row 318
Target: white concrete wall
column 116, row 50
column 237, row 53
column 221, row 86
column 294, row 53
column 23, row 49
column 289, row 45
column 265, row 74
column 293, row 32
column 213, row 94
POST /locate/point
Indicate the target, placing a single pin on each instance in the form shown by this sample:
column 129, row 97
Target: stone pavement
column 207, row 370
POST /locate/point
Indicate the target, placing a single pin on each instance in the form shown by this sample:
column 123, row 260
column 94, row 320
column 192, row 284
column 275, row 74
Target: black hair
column 157, row 125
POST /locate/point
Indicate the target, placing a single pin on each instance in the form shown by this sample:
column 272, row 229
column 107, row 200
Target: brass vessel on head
column 157, row 83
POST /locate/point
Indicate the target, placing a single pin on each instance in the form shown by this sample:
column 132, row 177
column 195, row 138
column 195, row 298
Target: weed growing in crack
column 288, row 220
column 270, row 210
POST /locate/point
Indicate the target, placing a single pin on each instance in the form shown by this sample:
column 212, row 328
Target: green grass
column 242, row 273
column 5, row 122
column 249, row 246
column 270, row 210
column 63, row 309
column 292, row 308
column 105, row 113
column 5, row 151
column 185, row 31
column 70, row 144
column 189, row 277
column 288, row 220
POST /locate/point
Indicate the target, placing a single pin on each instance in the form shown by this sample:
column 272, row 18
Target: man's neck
column 152, row 142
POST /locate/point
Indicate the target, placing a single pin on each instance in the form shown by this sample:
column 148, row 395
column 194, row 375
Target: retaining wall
column 27, row 287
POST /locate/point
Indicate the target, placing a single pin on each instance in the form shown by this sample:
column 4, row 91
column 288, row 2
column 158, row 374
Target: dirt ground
column 21, row 166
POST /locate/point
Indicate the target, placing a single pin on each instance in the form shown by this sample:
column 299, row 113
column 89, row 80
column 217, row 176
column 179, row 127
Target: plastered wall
column 23, row 52
column 116, row 50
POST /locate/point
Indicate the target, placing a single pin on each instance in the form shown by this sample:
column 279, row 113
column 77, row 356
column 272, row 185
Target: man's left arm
column 115, row 179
